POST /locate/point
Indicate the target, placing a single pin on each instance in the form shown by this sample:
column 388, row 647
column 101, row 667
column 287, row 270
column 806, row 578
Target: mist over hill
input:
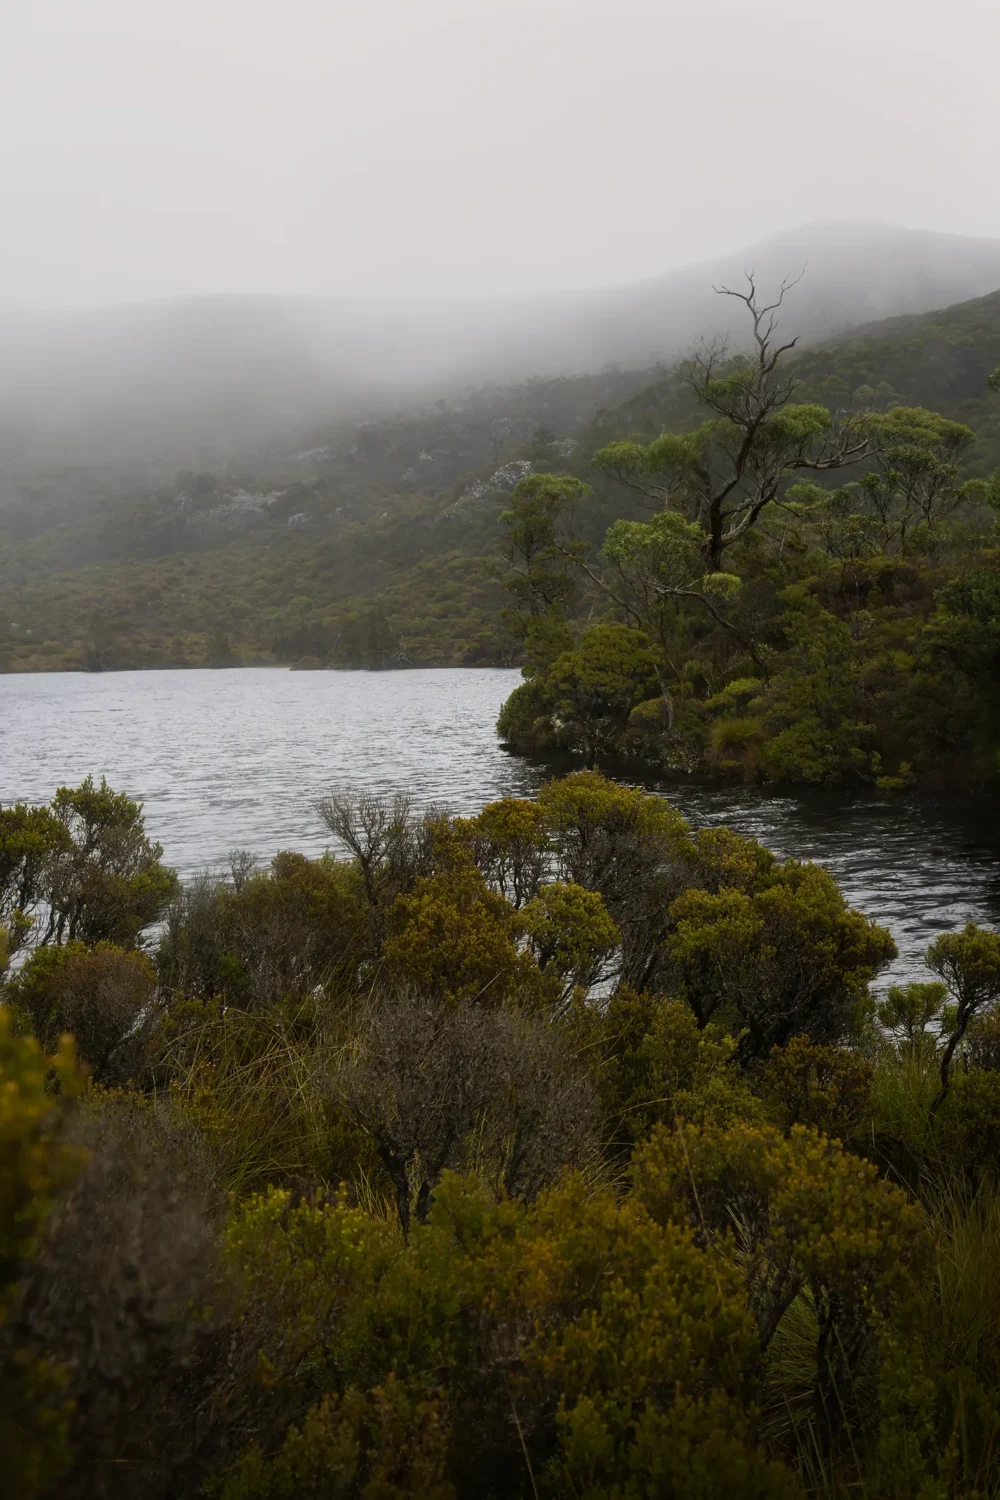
column 194, row 380
column 375, row 539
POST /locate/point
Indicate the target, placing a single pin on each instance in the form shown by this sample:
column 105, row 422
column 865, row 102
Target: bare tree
column 242, row 863
column 390, row 843
column 438, row 1086
column 727, row 472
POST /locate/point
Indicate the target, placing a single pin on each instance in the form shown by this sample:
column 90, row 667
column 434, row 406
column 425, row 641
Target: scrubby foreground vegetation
column 559, row 1151
column 810, row 593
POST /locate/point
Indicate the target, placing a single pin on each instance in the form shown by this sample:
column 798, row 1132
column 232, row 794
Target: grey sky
column 153, row 148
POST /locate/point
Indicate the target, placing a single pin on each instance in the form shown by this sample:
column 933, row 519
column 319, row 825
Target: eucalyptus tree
column 725, row 473
column 708, row 487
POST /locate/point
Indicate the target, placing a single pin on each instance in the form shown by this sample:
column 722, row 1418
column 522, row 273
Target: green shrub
column 36, row 1162
column 104, row 996
column 826, row 1088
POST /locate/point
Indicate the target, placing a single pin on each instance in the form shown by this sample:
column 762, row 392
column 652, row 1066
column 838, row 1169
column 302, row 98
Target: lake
column 237, row 758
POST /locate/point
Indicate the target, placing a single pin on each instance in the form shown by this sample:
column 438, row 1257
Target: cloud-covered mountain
column 189, row 379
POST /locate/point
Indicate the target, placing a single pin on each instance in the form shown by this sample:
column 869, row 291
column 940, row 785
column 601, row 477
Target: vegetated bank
column 556, row 1151
column 809, row 595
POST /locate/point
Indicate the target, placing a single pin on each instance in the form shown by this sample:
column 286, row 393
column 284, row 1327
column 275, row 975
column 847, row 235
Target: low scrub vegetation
column 563, row 1150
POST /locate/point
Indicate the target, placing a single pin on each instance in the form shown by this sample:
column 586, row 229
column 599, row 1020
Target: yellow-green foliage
column 982, row 1043
column 939, row 1369
column 908, row 1011
column 798, row 1212
column 454, row 937
column 35, row 1162
column 675, row 1271
column 968, row 1126
column 308, row 1272
column 828, row 1088
column 734, row 745
column 508, row 844
column 653, row 1064
column 375, row 1445
column 579, row 806
column 578, row 1342
column 98, row 994
column 783, row 956
column 570, row 932
column 797, row 632
column 245, row 1083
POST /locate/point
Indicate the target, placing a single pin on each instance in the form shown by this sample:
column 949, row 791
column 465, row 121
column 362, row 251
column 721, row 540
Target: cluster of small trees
column 762, row 619
column 560, row 1150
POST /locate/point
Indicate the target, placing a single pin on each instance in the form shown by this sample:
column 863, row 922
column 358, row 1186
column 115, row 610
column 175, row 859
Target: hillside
column 196, row 383
column 938, row 359
column 373, row 542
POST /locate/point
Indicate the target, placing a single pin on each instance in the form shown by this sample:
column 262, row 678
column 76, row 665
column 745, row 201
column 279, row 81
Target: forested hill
column 940, row 360
column 374, row 543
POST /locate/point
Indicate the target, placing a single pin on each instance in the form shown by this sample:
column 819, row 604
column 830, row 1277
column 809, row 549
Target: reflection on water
column 238, row 758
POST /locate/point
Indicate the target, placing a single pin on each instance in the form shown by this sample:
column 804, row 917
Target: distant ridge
column 208, row 374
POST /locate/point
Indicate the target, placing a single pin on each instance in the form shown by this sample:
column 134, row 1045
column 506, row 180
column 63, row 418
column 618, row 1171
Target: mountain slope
column 194, row 382
column 375, row 539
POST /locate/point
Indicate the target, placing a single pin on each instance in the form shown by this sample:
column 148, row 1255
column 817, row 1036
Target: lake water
column 237, row 759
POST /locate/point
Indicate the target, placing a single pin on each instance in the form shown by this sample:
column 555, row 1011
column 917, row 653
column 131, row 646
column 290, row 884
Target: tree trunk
column 396, row 1168
column 667, row 698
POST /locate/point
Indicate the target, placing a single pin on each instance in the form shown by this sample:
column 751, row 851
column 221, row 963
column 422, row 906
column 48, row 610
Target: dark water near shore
column 237, row 759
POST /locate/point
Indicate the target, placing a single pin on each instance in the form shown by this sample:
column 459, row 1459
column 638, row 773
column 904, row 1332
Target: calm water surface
column 237, row 759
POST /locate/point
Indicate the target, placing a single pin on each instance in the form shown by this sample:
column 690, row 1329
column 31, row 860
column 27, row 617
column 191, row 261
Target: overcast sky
column 152, row 148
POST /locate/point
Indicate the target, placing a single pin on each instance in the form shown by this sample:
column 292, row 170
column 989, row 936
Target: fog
column 181, row 147
column 240, row 212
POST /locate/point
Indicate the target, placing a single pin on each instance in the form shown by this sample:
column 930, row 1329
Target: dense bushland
column 810, row 594
column 562, row 1150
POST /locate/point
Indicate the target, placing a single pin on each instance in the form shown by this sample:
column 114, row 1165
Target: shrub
column 30, row 839
column 969, row 1125
column 455, row 937
column 525, row 721
column 571, row 935
column 826, row 1088
column 37, row 1161
column 982, row 1043
column 125, row 1293
column 107, row 884
column 595, row 687
column 796, row 1213
column 508, row 846
column 574, row 1345
column 969, row 964
column 907, row 1013
column 104, row 996
column 271, row 936
column 629, row 846
column 787, row 958
column 653, row 1064
column 375, row 1445
column 443, row 1086
column 734, row 745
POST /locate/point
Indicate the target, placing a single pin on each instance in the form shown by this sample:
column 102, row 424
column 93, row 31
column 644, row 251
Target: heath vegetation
column 562, row 1150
